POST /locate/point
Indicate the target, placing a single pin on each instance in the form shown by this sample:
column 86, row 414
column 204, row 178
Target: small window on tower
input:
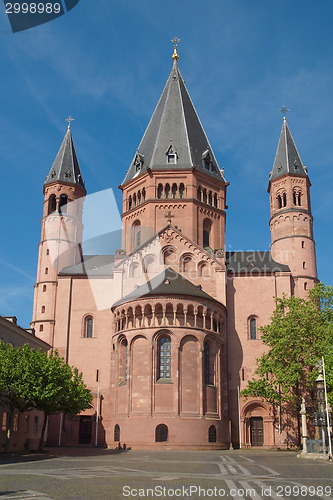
column 89, row 323
column 171, row 156
column 253, row 329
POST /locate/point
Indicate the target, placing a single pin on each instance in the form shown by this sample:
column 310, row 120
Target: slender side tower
column 291, row 220
column 61, row 234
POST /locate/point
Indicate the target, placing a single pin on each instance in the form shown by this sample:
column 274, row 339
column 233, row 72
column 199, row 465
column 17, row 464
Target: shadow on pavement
column 51, row 453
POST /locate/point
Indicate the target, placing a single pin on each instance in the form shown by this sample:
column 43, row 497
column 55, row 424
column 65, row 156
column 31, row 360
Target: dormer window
column 172, row 158
column 206, row 160
column 171, row 155
column 67, row 174
column 138, row 162
column 53, row 173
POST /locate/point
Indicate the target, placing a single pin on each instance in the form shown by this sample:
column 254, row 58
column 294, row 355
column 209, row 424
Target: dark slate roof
column 169, row 282
column 174, row 127
column 92, row 265
column 287, row 158
column 66, row 165
column 253, row 263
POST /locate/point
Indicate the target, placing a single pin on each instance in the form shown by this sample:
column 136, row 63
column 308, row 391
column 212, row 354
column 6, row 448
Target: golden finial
column 175, row 55
column 69, row 120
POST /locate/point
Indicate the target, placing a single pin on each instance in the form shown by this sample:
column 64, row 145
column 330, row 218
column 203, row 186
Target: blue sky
column 106, row 63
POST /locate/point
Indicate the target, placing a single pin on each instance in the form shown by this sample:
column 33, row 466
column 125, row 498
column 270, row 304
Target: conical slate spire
column 66, row 165
column 287, row 158
column 174, row 137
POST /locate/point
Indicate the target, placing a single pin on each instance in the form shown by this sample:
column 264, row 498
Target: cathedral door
column 85, row 429
column 257, row 431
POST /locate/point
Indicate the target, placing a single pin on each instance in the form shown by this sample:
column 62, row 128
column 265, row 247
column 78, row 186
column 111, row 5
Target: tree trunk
column 10, row 424
column 41, row 441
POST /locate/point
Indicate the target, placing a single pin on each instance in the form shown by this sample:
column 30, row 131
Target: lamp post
column 304, row 427
column 321, row 409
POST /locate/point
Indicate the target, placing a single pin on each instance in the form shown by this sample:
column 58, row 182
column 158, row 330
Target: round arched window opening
column 212, row 434
column 161, row 433
column 116, row 434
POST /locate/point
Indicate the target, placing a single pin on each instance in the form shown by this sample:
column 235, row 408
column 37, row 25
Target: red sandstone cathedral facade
column 166, row 329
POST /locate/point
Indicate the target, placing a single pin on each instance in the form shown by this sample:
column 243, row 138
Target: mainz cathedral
column 166, row 329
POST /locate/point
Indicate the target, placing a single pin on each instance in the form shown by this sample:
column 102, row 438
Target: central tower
column 174, row 176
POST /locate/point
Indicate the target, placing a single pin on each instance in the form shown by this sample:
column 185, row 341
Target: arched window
column 253, row 328
column 169, row 256
column 134, row 270
column 41, row 328
column 305, row 286
column 164, row 358
column 199, row 193
column 130, row 203
column 123, row 361
column 134, row 200
column 167, row 190
column 116, row 433
column 136, row 234
column 46, row 270
column 304, row 265
column 52, row 204
column 207, row 363
column 63, row 204
column 139, row 197
column 143, row 195
column 181, row 190
column 279, row 199
column 212, row 434
column 88, row 327
column 44, row 288
column 174, row 190
column 204, row 196
column 303, row 244
column 43, row 309
column 298, row 197
column 284, row 199
column 161, row 433
column 149, row 264
column 210, row 198
column 215, row 200
column 159, row 191
column 187, row 263
column 206, row 233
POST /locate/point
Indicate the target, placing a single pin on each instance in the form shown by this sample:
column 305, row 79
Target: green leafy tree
column 14, row 380
column 298, row 335
column 31, row 379
column 56, row 387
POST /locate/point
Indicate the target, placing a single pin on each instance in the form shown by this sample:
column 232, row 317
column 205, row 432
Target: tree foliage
column 299, row 334
column 31, row 379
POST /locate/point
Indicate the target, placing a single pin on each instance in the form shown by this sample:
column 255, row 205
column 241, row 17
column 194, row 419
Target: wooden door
column 257, row 431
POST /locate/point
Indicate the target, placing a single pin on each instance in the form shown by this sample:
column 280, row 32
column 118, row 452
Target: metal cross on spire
column 284, row 110
column 175, row 55
column 69, row 120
